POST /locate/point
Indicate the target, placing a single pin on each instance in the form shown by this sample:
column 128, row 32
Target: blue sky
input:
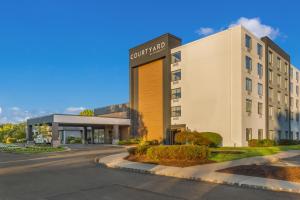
column 60, row 56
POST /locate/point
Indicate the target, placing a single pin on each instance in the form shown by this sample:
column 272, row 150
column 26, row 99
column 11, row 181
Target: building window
column 286, row 83
column 279, row 97
column 176, row 75
column 278, row 80
column 176, row 111
column 286, row 135
column 270, row 57
column 291, row 136
column 291, row 73
column 248, row 41
column 271, row 94
column 292, row 102
column 248, row 63
column 260, row 134
column 260, row 70
column 176, row 93
column 292, row 116
column 297, row 103
column 260, row 108
column 260, row 89
column 248, row 134
column 291, row 88
column 297, row 90
column 297, row 76
column 297, row 117
column 259, row 50
column 176, row 57
column 248, row 105
column 270, row 75
column 286, row 115
column 279, row 135
column 248, row 84
column 271, row 112
column 279, row 113
column 286, row 69
column 297, row 135
column 278, row 63
column 286, row 100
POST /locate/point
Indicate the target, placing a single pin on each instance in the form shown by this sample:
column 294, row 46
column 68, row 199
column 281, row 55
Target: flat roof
column 77, row 120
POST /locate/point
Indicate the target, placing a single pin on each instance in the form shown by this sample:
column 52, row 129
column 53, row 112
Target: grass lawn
column 31, row 150
column 233, row 153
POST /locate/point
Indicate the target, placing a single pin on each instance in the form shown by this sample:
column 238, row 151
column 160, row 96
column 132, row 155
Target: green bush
column 129, row 141
column 10, row 140
column 288, row 142
column 214, row 138
column 178, row 152
column 73, row 140
column 194, row 137
column 139, row 150
column 261, row 143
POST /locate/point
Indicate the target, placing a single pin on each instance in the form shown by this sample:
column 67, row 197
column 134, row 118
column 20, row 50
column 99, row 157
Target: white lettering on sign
column 148, row 51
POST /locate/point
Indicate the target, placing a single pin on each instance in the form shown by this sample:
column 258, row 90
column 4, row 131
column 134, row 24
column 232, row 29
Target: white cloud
column 17, row 114
column 257, row 28
column 254, row 25
column 74, row 110
column 205, row 31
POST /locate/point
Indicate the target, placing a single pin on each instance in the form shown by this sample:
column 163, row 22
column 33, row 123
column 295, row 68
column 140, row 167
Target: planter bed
column 266, row 171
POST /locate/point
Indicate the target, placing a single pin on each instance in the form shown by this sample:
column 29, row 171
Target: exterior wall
column 213, row 96
column 294, row 104
column 253, row 120
column 210, row 87
column 150, row 99
column 278, row 91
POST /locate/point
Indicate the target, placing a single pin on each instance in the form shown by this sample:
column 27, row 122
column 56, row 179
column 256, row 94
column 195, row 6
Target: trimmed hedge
column 288, row 142
column 196, row 138
column 129, row 141
column 10, row 140
column 261, row 143
column 215, row 139
column 178, row 152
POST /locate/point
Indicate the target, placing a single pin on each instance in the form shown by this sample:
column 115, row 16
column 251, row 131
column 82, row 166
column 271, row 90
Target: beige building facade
column 232, row 83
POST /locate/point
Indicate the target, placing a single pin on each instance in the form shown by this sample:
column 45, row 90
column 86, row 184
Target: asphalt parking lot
column 74, row 175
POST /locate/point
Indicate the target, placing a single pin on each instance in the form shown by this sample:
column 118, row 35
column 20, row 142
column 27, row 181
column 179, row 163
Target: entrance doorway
column 98, row 136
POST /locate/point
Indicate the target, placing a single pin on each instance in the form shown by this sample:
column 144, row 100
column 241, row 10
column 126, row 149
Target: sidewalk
column 208, row 172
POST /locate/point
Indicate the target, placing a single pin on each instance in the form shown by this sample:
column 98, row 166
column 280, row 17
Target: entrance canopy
column 77, row 120
column 91, row 128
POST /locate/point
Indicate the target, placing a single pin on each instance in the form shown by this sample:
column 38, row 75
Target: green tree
column 43, row 130
column 87, row 112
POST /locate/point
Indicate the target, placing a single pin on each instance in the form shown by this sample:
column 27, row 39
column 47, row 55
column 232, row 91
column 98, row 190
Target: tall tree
column 87, row 112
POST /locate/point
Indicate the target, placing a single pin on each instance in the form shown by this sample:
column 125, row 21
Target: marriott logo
column 148, row 51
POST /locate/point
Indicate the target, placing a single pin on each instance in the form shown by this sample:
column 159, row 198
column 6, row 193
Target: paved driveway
column 73, row 175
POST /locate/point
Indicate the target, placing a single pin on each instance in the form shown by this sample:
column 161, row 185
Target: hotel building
column 231, row 83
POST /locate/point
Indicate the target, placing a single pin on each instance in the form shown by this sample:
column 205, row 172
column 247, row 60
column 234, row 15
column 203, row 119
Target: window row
column 280, row 66
column 249, row 87
column 176, row 111
column 279, row 115
column 248, row 65
column 286, row 135
column 249, row 107
column 249, row 136
column 292, row 89
column 248, row 44
column 292, row 74
column 279, row 80
column 279, row 96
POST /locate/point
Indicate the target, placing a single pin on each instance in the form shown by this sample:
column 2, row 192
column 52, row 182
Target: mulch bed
column 266, row 171
column 174, row 163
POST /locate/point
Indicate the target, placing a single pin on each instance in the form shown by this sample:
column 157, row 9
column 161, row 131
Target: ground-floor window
column 297, row 135
column 248, row 134
column 291, row 136
column 286, row 135
column 260, row 134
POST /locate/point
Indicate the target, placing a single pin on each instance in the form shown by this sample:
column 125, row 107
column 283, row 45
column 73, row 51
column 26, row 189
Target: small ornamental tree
column 87, row 112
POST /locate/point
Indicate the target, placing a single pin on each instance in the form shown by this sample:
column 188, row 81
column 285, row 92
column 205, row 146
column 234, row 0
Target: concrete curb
column 207, row 173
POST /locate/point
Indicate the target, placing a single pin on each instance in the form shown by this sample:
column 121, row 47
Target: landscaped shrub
column 288, row 142
column 178, row 152
column 138, row 150
column 261, row 143
column 73, row 140
column 10, row 140
column 129, row 141
column 214, row 138
column 194, row 137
